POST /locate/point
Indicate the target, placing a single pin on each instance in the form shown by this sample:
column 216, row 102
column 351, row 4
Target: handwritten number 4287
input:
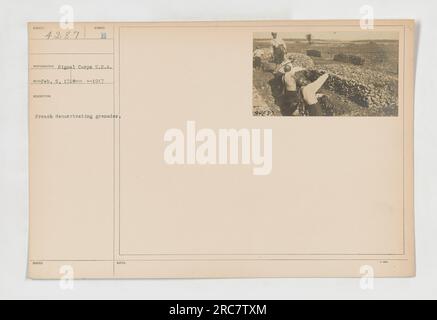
column 68, row 35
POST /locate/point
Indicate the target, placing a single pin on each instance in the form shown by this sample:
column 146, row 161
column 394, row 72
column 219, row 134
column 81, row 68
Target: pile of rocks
column 314, row 53
column 297, row 60
column 267, row 53
column 347, row 58
column 367, row 88
column 301, row 60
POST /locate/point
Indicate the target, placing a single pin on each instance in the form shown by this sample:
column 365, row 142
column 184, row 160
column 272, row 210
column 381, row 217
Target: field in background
column 380, row 55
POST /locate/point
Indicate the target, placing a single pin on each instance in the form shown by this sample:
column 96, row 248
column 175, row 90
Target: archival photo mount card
column 221, row 149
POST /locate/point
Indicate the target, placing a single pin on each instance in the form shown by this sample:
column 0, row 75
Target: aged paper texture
column 221, row 149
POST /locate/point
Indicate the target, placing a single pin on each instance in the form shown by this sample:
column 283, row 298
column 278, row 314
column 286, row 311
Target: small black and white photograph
column 331, row 74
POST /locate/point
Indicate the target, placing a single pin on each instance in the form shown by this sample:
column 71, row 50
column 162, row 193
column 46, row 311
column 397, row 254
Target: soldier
column 291, row 97
column 279, row 48
column 309, row 93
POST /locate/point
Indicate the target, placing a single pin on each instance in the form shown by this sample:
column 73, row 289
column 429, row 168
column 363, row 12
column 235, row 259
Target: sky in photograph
column 338, row 36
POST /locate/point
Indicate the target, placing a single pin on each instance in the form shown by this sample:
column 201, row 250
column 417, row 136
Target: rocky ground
column 351, row 90
column 265, row 103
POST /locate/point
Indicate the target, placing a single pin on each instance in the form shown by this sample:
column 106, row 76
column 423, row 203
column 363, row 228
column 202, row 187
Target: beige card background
column 104, row 202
